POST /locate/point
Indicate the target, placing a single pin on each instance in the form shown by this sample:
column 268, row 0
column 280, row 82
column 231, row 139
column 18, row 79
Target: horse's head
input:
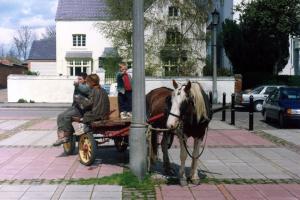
column 180, row 95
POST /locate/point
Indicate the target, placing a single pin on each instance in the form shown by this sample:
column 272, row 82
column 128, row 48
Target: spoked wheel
column 121, row 143
column 69, row 147
column 87, row 149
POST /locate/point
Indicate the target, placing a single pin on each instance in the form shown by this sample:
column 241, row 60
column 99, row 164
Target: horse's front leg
column 164, row 147
column 194, row 171
column 183, row 156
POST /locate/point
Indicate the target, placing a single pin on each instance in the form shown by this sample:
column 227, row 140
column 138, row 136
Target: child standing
column 124, row 92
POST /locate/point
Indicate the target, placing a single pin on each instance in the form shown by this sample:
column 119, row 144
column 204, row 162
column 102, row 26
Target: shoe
column 61, row 141
column 129, row 115
column 123, row 115
column 63, row 137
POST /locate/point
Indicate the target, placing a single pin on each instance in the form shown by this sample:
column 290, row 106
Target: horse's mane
column 199, row 103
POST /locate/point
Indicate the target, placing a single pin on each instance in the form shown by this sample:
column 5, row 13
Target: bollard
column 251, row 110
column 210, row 98
column 224, row 107
column 233, row 109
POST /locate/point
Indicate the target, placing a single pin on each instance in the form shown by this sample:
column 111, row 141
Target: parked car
column 283, row 105
column 259, row 95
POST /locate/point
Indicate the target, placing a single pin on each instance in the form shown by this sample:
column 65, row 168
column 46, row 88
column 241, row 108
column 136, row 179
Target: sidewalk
column 26, row 156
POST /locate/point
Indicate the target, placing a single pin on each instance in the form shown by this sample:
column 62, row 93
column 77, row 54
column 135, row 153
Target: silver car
column 259, row 95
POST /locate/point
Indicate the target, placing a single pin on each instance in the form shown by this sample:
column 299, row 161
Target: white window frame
column 76, row 63
column 79, row 40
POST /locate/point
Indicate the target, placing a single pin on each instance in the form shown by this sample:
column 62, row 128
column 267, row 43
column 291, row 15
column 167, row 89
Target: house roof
column 81, row 10
column 44, row 49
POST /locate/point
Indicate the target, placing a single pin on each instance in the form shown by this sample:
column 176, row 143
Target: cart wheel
column 69, row 147
column 121, row 143
column 87, row 149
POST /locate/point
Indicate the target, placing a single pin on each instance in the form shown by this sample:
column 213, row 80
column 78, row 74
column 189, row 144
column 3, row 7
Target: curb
column 35, row 105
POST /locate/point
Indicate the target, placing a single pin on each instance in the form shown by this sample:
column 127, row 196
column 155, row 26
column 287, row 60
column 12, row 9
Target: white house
column 42, row 57
column 79, row 44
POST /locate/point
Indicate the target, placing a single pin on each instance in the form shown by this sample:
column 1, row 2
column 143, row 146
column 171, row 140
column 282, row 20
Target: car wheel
column 258, row 106
column 282, row 122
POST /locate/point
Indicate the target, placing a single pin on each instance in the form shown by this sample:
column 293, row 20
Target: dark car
column 283, row 105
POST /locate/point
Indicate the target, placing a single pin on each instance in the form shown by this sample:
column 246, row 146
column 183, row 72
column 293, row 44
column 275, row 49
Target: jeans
column 64, row 120
column 125, row 101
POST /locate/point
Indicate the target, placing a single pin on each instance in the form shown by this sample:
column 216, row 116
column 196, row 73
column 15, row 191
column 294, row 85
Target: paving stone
column 11, row 195
column 14, row 188
column 25, row 138
column 37, row 195
column 291, row 136
column 76, row 195
column 106, row 195
column 79, row 188
column 44, row 125
column 42, row 188
column 217, row 124
column 12, row 124
column 112, row 188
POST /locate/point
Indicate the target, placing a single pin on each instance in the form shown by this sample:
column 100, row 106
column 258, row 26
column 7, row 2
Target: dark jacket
column 97, row 105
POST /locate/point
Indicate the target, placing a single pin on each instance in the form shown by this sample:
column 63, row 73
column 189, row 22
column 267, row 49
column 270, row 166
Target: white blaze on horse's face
column 179, row 95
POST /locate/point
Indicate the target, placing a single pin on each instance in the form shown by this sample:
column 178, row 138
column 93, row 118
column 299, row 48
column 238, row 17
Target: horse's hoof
column 183, row 182
column 195, row 181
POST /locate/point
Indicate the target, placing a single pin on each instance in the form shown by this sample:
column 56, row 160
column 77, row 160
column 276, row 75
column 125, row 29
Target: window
column 79, row 40
column 173, row 37
column 257, row 90
column 171, row 67
column 78, row 66
column 173, row 11
column 269, row 90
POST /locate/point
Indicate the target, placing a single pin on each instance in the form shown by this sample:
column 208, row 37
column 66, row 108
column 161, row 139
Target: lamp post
column 215, row 22
column 137, row 137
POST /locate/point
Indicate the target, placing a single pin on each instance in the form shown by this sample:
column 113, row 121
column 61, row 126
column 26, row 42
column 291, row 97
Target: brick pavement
column 231, row 153
column 61, row 192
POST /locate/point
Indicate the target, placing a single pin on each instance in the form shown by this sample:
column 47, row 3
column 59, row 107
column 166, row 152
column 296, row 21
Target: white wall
column 54, row 89
column 45, row 68
column 95, row 42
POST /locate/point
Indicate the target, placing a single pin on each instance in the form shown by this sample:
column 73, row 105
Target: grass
column 126, row 179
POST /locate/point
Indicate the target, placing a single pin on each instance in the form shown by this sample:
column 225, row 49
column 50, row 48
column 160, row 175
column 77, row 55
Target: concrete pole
column 215, row 92
column 137, row 137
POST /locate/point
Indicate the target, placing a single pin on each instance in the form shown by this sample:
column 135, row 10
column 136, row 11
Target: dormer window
column 79, row 40
column 173, row 11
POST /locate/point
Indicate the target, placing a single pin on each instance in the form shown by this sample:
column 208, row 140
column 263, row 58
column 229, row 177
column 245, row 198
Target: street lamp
column 215, row 22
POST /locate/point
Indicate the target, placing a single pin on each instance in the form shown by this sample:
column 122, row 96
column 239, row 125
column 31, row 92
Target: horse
column 159, row 101
column 190, row 114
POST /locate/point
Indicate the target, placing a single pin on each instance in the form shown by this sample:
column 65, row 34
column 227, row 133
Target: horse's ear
column 175, row 85
column 188, row 87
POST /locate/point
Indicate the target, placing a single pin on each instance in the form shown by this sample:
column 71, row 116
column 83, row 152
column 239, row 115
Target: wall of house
column 95, row 42
column 6, row 70
column 45, row 68
column 60, row 89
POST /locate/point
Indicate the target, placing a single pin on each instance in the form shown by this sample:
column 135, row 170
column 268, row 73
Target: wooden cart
column 102, row 132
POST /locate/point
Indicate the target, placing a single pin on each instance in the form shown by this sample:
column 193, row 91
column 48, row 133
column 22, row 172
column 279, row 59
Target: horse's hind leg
column 183, row 156
column 194, row 171
column 164, row 147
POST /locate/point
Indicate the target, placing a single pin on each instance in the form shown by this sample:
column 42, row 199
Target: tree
column 178, row 40
column 22, row 41
column 260, row 41
column 2, row 51
column 50, row 32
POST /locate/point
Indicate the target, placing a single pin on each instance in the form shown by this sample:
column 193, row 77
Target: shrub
column 22, row 101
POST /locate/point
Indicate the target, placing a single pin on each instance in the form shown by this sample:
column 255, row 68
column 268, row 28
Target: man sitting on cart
column 95, row 107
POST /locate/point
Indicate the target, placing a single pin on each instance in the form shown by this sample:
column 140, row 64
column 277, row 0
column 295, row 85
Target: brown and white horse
column 191, row 113
column 159, row 101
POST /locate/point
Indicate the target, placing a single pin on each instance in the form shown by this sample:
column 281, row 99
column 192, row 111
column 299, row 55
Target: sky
column 37, row 14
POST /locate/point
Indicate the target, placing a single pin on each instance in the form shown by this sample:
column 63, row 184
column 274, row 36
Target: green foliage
column 260, row 41
column 31, row 73
column 22, row 101
column 126, row 179
column 111, row 64
column 190, row 22
column 208, row 69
